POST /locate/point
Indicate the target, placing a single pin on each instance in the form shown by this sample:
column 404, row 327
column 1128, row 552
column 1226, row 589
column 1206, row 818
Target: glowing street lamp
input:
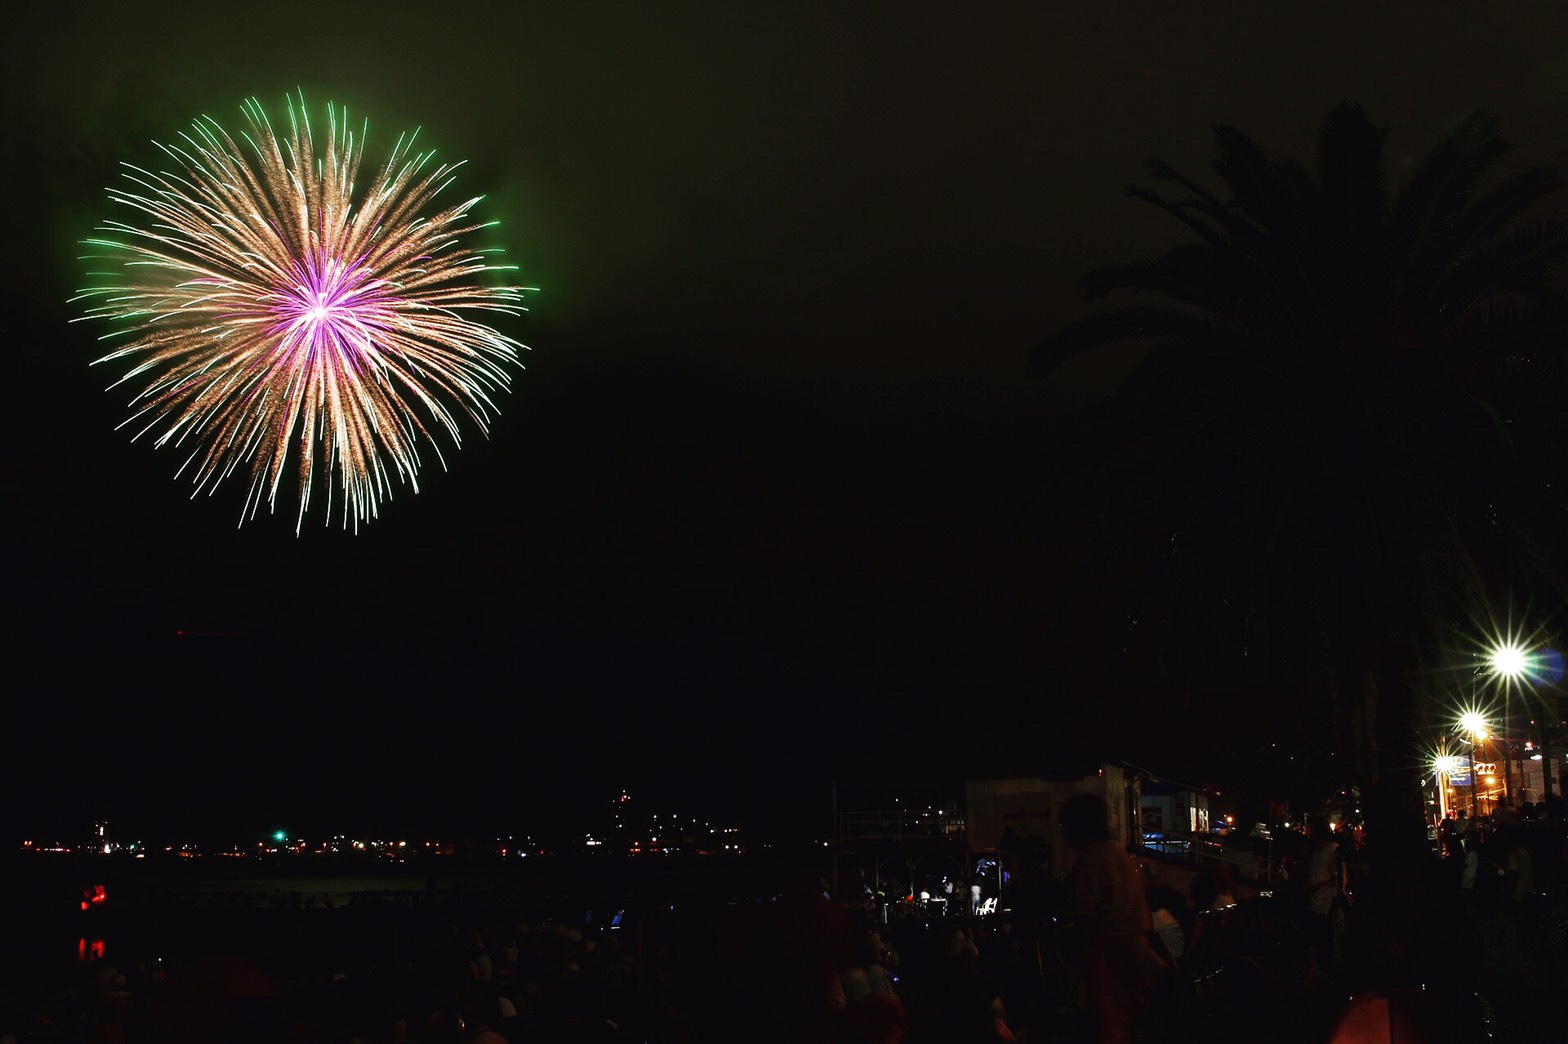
column 1473, row 723
column 1516, row 665
column 1510, row 661
column 1444, row 765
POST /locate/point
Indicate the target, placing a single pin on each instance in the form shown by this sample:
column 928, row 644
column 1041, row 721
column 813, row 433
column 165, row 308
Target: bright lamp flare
column 1448, row 764
column 1510, row 661
column 1473, row 724
column 282, row 319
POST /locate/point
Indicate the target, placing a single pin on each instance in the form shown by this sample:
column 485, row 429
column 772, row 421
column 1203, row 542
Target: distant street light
column 1443, row 766
column 1474, row 725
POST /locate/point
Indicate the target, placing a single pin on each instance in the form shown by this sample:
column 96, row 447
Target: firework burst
column 272, row 314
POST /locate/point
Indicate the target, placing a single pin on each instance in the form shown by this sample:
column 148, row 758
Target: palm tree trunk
column 1396, row 825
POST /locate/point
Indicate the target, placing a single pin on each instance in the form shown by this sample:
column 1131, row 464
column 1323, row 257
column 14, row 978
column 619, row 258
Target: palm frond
column 1442, row 185
column 1518, row 262
column 1247, row 173
column 1193, row 274
column 1162, row 171
column 1269, row 232
column 1280, row 197
column 1507, row 323
column 1283, row 199
column 1116, row 325
column 1169, row 366
column 1350, row 166
column 1354, row 198
column 1237, row 225
column 1497, row 208
column 1209, row 226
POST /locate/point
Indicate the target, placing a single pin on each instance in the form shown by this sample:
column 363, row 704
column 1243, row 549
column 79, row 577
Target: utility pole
column 838, row 839
column 1475, row 801
column 1441, row 779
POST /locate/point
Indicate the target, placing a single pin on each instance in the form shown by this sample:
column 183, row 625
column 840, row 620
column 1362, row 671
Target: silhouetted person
column 1106, row 904
column 1322, row 891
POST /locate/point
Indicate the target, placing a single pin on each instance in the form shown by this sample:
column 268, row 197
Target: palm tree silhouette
column 1348, row 430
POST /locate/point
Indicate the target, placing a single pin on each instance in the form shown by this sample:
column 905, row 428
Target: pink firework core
column 327, row 304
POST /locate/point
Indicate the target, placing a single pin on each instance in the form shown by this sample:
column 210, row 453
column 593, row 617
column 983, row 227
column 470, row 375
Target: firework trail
column 272, row 312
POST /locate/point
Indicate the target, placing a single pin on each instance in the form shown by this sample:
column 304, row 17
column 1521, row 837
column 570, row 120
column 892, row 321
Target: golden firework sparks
column 273, row 312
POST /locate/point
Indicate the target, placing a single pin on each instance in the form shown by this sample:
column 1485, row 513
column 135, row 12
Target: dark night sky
column 765, row 503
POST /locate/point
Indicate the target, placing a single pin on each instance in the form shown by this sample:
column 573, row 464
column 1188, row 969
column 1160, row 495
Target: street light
column 1517, row 665
column 1473, row 724
column 1510, row 661
column 1444, row 765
